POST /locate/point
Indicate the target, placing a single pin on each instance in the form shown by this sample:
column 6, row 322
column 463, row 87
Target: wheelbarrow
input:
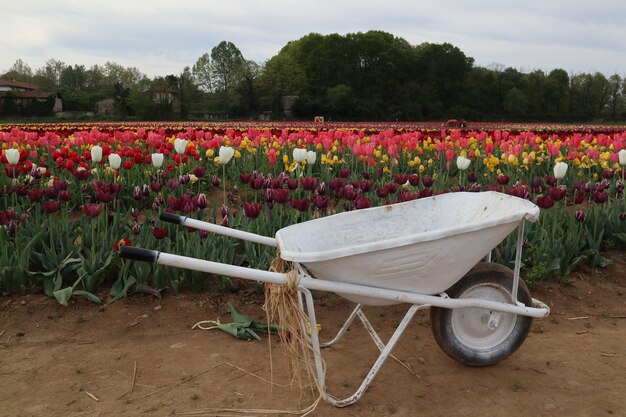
column 427, row 253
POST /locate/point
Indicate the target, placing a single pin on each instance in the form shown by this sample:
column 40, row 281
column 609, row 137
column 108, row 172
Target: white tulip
column 560, row 169
column 157, row 160
column 115, row 161
column 311, row 157
column 299, row 155
column 462, row 163
column 180, row 145
column 622, row 157
column 226, row 154
column 96, row 154
column 13, row 156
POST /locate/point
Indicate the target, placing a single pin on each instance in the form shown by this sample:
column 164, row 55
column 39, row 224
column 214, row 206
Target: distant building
column 287, row 103
column 105, row 107
column 22, row 95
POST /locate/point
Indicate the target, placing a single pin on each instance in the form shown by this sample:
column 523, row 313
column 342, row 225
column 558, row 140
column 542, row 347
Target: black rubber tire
column 463, row 333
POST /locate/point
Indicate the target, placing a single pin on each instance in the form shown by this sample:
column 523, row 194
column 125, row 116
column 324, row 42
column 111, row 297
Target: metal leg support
column 356, row 312
column 384, row 354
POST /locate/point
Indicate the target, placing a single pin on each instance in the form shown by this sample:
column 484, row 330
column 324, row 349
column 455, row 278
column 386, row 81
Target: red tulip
column 159, row 232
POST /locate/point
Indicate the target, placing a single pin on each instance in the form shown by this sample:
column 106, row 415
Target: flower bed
column 71, row 194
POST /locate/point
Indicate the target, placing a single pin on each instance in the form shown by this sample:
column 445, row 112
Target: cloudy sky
column 161, row 37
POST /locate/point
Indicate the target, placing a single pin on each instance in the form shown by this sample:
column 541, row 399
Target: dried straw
column 282, row 307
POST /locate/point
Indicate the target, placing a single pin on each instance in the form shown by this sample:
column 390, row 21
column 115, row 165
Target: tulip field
column 72, row 194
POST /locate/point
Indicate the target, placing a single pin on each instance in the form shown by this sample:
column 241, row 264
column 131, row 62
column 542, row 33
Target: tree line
column 358, row 76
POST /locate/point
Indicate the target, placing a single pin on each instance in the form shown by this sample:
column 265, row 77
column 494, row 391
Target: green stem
column 224, row 183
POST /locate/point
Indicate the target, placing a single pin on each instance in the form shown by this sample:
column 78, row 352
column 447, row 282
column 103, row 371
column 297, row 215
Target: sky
column 161, row 37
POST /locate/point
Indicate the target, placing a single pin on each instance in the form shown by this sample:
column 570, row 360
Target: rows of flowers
column 71, row 195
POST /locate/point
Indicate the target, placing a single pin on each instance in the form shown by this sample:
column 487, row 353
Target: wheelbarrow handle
column 216, row 228
column 172, row 218
column 139, row 254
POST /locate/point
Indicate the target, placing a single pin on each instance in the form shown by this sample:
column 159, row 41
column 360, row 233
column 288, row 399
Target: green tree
column 19, row 71
column 73, row 78
column 226, row 60
column 616, row 97
column 48, row 77
column 202, row 73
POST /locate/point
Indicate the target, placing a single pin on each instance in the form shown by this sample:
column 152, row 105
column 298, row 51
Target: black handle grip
column 139, row 254
column 172, row 218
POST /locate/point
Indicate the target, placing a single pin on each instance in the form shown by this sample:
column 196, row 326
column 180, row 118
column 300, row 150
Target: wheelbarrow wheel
column 480, row 337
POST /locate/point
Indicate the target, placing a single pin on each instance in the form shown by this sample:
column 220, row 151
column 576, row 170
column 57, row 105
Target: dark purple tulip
column 12, row 227
column 65, row 195
column 362, row 203
column 391, row 187
column 427, row 181
column 156, row 186
column 51, row 206
column 545, row 202
column 400, row 178
column 579, row 197
column 608, row 174
column 550, row 180
column 619, row 185
column 382, row 192
column 201, row 201
column 136, row 229
column 292, row 184
column 215, row 180
column 350, row 193
column 414, row 180
column 92, row 210
column 35, row 194
column 536, row 183
column 184, row 179
column 309, row 183
column 137, row 193
column 224, row 211
column 134, row 212
column 344, row 172
column 557, row 193
column 245, row 178
column 472, row 177
column 23, row 217
column 600, row 197
column 199, row 171
column 366, row 185
column 580, row 215
column 252, row 210
column 257, row 182
column 82, row 174
column 407, row 196
column 35, row 173
column 321, row 202
column 337, row 183
column 158, row 202
column 280, row 195
column 225, row 222
column 159, row 233
column 172, row 184
column 145, row 190
column 321, row 188
column 300, row 204
column 503, row 179
column 203, row 234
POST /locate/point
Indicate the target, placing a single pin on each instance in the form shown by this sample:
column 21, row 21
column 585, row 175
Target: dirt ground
column 140, row 357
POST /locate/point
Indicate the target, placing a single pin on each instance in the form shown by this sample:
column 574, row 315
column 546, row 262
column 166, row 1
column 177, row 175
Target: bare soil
column 140, row 357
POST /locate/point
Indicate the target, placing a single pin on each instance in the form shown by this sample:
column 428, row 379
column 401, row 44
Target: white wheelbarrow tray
column 412, row 252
